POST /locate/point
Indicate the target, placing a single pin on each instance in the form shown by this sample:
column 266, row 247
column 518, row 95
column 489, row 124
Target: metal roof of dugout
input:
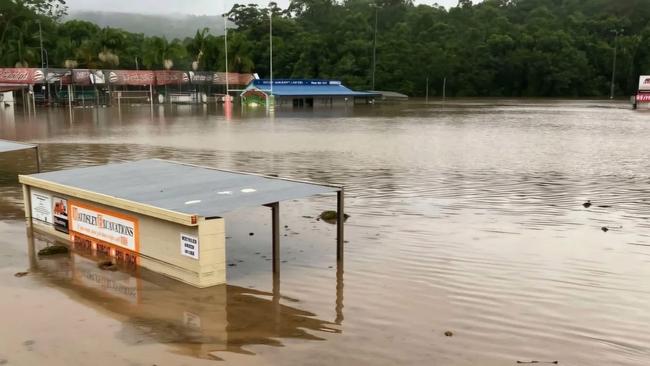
column 9, row 146
column 180, row 192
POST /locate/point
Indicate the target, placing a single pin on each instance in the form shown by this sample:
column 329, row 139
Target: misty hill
column 171, row 26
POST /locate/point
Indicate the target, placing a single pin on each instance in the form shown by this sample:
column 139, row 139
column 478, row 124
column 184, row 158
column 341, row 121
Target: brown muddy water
column 466, row 217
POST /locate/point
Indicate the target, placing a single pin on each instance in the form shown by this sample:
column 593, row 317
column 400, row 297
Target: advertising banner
column 60, row 209
column 219, row 78
column 201, row 77
column 644, row 82
column 110, row 227
column 167, row 77
column 21, row 75
column 190, row 246
column 88, row 77
column 643, row 97
column 41, row 206
column 63, row 76
column 131, row 77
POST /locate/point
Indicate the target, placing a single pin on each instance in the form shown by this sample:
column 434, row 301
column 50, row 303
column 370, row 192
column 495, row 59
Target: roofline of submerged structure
column 141, row 208
column 25, row 146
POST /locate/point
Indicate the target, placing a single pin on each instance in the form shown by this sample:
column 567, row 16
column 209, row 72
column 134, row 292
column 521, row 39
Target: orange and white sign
column 110, row 227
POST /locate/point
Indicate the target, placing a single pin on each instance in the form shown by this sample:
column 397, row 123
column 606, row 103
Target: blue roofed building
column 303, row 93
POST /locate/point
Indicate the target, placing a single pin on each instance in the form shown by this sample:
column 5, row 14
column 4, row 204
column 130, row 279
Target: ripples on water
column 465, row 217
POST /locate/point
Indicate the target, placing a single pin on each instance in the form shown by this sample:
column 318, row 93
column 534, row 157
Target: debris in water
column 604, row 229
column 54, row 249
column 449, row 333
column 308, row 217
column 604, row 206
column 107, row 266
column 330, row 216
column 586, row 204
column 251, row 234
column 286, row 226
column 551, row 362
column 21, row 274
column 232, row 264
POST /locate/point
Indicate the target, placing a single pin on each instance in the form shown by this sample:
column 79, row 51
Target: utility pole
column 137, row 67
column 611, row 91
column 374, row 48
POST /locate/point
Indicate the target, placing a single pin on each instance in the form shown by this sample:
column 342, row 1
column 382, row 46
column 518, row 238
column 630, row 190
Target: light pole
column 611, row 91
column 225, row 41
column 271, row 48
column 40, row 37
column 374, row 47
column 137, row 67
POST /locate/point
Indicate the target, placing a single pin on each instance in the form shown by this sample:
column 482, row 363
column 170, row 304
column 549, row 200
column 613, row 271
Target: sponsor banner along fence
column 21, row 75
column 171, row 77
column 643, row 97
column 131, row 77
column 119, row 77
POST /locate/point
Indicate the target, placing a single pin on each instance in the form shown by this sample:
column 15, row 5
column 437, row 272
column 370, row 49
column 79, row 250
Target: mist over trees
column 493, row 48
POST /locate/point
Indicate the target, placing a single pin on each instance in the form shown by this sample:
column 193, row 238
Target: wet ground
column 465, row 217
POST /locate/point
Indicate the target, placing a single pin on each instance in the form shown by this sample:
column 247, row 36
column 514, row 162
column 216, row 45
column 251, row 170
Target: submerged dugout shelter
column 9, row 146
column 303, row 93
column 161, row 215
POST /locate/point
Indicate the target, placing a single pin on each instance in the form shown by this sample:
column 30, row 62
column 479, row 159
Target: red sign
column 131, row 77
column 21, row 76
column 166, row 77
column 644, row 97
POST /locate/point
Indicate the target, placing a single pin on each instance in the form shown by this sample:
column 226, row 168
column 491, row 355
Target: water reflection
column 197, row 322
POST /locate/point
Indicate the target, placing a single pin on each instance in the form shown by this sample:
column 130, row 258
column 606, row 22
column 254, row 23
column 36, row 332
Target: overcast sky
column 198, row 7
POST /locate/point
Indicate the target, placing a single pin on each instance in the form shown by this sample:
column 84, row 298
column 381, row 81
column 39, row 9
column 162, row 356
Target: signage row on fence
column 119, row 77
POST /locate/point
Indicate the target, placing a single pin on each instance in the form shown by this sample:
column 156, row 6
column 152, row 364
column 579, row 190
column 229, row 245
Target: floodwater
column 465, row 217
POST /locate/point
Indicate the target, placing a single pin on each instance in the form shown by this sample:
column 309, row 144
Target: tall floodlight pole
column 225, row 40
column 611, row 91
column 40, row 36
column 271, row 48
column 374, row 49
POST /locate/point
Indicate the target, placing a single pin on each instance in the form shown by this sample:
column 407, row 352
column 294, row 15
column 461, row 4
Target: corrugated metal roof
column 6, row 146
column 290, row 87
column 184, row 188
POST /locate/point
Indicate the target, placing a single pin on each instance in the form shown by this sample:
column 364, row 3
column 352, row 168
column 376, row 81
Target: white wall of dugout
column 194, row 254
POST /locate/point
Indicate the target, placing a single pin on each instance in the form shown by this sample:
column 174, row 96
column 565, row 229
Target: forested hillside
column 493, row 48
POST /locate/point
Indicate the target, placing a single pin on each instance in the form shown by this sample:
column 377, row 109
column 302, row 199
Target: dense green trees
column 493, row 48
